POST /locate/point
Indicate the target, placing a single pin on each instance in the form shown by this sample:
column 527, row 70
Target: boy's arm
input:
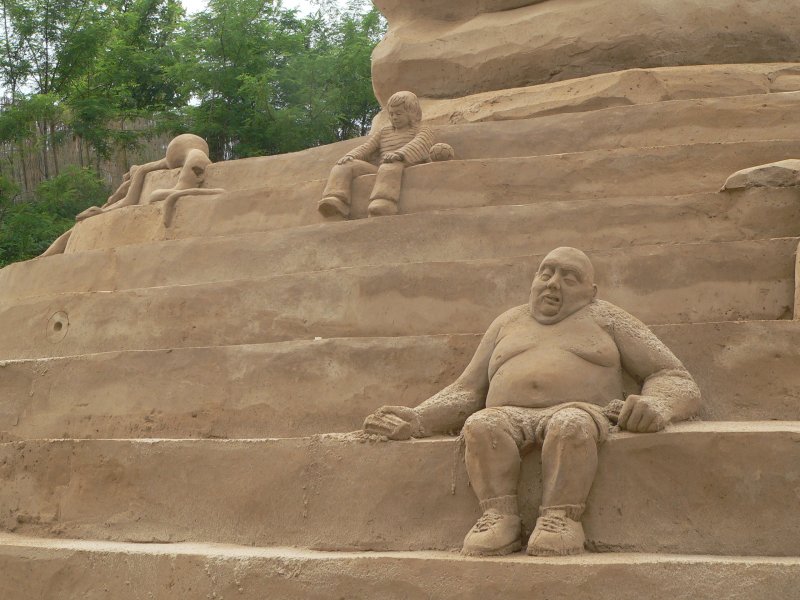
column 418, row 149
column 365, row 150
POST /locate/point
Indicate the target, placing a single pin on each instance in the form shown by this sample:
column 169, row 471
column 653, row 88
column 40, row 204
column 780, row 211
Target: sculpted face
column 563, row 285
column 399, row 117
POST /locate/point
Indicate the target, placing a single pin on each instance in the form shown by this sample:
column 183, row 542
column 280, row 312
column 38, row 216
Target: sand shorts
column 527, row 426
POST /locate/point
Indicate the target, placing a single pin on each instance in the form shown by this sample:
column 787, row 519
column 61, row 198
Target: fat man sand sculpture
column 548, row 374
column 188, row 152
column 402, row 144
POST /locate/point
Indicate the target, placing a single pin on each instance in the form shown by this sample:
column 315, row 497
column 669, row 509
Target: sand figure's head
column 179, row 148
column 404, row 110
column 563, row 285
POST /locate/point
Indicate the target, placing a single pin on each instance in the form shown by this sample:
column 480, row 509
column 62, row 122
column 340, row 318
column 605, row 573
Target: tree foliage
column 266, row 81
column 28, row 227
column 105, row 76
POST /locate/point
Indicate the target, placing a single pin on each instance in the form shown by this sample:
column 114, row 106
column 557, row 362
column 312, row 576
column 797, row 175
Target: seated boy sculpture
column 402, row 144
column 548, row 374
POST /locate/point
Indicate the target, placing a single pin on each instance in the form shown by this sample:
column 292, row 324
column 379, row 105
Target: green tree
column 266, row 81
column 27, row 228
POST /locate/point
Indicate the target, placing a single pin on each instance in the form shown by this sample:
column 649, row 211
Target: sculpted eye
column 544, row 276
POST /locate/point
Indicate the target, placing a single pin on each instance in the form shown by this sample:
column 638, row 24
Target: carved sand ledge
column 557, row 40
column 330, row 493
column 745, row 370
column 247, row 573
column 779, row 174
column 797, row 285
column 619, row 88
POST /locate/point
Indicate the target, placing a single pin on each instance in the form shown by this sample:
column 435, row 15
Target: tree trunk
column 54, row 146
column 45, row 168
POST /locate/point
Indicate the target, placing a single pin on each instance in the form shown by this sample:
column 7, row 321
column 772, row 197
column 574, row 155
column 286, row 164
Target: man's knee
column 481, row 426
column 572, row 424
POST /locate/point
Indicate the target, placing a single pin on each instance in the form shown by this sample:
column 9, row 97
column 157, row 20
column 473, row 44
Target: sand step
column 736, row 482
column 721, row 281
column 619, row 88
column 664, row 170
column 747, row 370
column 474, row 233
column 626, row 172
column 708, row 120
column 95, row 570
column 750, row 115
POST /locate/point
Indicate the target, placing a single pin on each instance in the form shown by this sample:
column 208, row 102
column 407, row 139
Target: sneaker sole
column 509, row 549
column 542, row 552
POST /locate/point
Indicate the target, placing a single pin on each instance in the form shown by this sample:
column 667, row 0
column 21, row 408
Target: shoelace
column 553, row 523
column 487, row 521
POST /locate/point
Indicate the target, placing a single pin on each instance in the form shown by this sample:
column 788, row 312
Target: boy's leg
column 336, row 197
column 386, row 193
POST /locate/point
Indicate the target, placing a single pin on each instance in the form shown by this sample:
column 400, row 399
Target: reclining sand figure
column 548, row 374
column 187, row 151
column 402, row 144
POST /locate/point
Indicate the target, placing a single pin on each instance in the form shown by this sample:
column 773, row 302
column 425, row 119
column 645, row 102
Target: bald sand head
column 563, row 285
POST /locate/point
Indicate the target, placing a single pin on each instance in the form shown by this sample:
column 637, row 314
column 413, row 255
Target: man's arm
column 447, row 410
column 668, row 391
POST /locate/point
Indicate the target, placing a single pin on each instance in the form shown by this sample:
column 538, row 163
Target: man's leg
column 336, row 197
column 493, row 465
column 569, row 464
column 386, row 193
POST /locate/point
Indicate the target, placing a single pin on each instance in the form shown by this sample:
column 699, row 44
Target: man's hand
column 393, row 157
column 643, row 414
column 395, row 422
column 345, row 159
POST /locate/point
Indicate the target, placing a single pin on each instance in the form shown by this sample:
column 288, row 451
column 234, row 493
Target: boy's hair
column 410, row 102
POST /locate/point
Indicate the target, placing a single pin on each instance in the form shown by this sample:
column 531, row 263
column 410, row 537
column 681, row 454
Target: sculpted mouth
column 551, row 299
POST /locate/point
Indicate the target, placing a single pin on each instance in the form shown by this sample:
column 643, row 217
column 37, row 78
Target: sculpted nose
column 553, row 282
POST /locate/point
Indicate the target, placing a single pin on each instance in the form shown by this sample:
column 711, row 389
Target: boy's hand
column 393, row 157
column 345, row 159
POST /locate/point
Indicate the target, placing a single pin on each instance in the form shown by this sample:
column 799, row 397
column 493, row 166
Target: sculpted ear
column 594, row 291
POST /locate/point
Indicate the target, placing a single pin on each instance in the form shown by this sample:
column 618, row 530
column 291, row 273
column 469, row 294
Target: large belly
column 547, row 376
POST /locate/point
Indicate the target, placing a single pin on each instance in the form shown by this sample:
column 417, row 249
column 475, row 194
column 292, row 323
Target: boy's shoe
column 330, row 206
column 382, row 208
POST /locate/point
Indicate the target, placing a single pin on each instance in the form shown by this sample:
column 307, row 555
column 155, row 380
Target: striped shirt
column 413, row 143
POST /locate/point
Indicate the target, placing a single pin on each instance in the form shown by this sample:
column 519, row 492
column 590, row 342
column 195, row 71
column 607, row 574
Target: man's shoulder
column 613, row 318
column 603, row 308
column 512, row 315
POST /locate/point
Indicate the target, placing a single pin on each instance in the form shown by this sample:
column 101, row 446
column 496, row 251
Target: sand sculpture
column 402, row 144
column 548, row 374
column 188, row 152
column 203, row 386
column 484, row 45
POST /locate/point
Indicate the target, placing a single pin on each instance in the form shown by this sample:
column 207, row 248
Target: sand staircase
column 191, row 386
